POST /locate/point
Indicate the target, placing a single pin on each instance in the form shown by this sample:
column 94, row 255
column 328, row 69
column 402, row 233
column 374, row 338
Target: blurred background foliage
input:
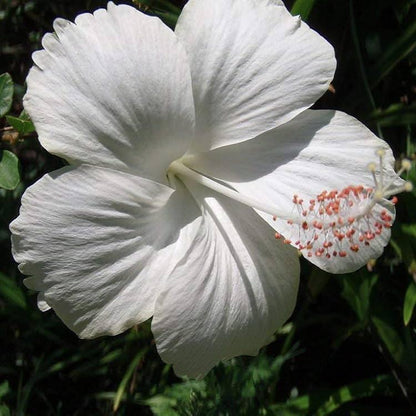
column 350, row 346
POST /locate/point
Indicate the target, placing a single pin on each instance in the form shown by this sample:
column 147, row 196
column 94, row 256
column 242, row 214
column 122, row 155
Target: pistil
column 177, row 168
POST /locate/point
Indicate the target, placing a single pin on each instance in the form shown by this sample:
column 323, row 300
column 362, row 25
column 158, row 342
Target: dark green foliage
column 9, row 170
column 350, row 347
column 6, row 93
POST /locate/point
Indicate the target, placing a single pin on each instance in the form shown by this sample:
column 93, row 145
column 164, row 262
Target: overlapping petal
column 254, row 66
column 230, row 292
column 99, row 243
column 317, row 150
column 107, row 245
column 113, row 90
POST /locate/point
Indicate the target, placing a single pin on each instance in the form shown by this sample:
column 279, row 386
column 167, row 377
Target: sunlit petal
column 254, row 66
column 230, row 292
column 98, row 243
column 113, row 90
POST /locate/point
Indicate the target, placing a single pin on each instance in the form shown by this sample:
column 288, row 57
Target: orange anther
column 354, row 248
column 369, row 235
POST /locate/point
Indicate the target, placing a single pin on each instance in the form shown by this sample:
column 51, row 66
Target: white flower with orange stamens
column 185, row 151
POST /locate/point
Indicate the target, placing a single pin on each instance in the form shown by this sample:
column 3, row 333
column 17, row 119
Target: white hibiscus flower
column 181, row 148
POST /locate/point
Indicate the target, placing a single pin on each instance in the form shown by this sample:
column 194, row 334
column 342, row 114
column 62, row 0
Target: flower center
column 334, row 223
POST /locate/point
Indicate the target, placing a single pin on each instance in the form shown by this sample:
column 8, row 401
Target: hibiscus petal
column 97, row 244
column 229, row 293
column 113, row 90
column 254, row 66
column 317, row 150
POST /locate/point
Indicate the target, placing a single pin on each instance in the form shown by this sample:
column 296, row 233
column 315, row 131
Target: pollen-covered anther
column 354, row 248
column 408, row 187
column 340, row 223
column 406, row 165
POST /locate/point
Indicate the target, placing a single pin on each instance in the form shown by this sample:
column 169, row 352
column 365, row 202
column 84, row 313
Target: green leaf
column 387, row 329
column 21, row 125
column 126, row 378
column 356, row 291
column 174, row 396
column 325, row 402
column 396, row 52
column 4, row 410
column 302, row 8
column 391, row 338
column 4, row 388
column 9, row 170
column 397, row 114
column 6, row 93
column 365, row 388
column 11, row 293
column 409, row 303
column 162, row 405
column 169, row 18
column 404, row 242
